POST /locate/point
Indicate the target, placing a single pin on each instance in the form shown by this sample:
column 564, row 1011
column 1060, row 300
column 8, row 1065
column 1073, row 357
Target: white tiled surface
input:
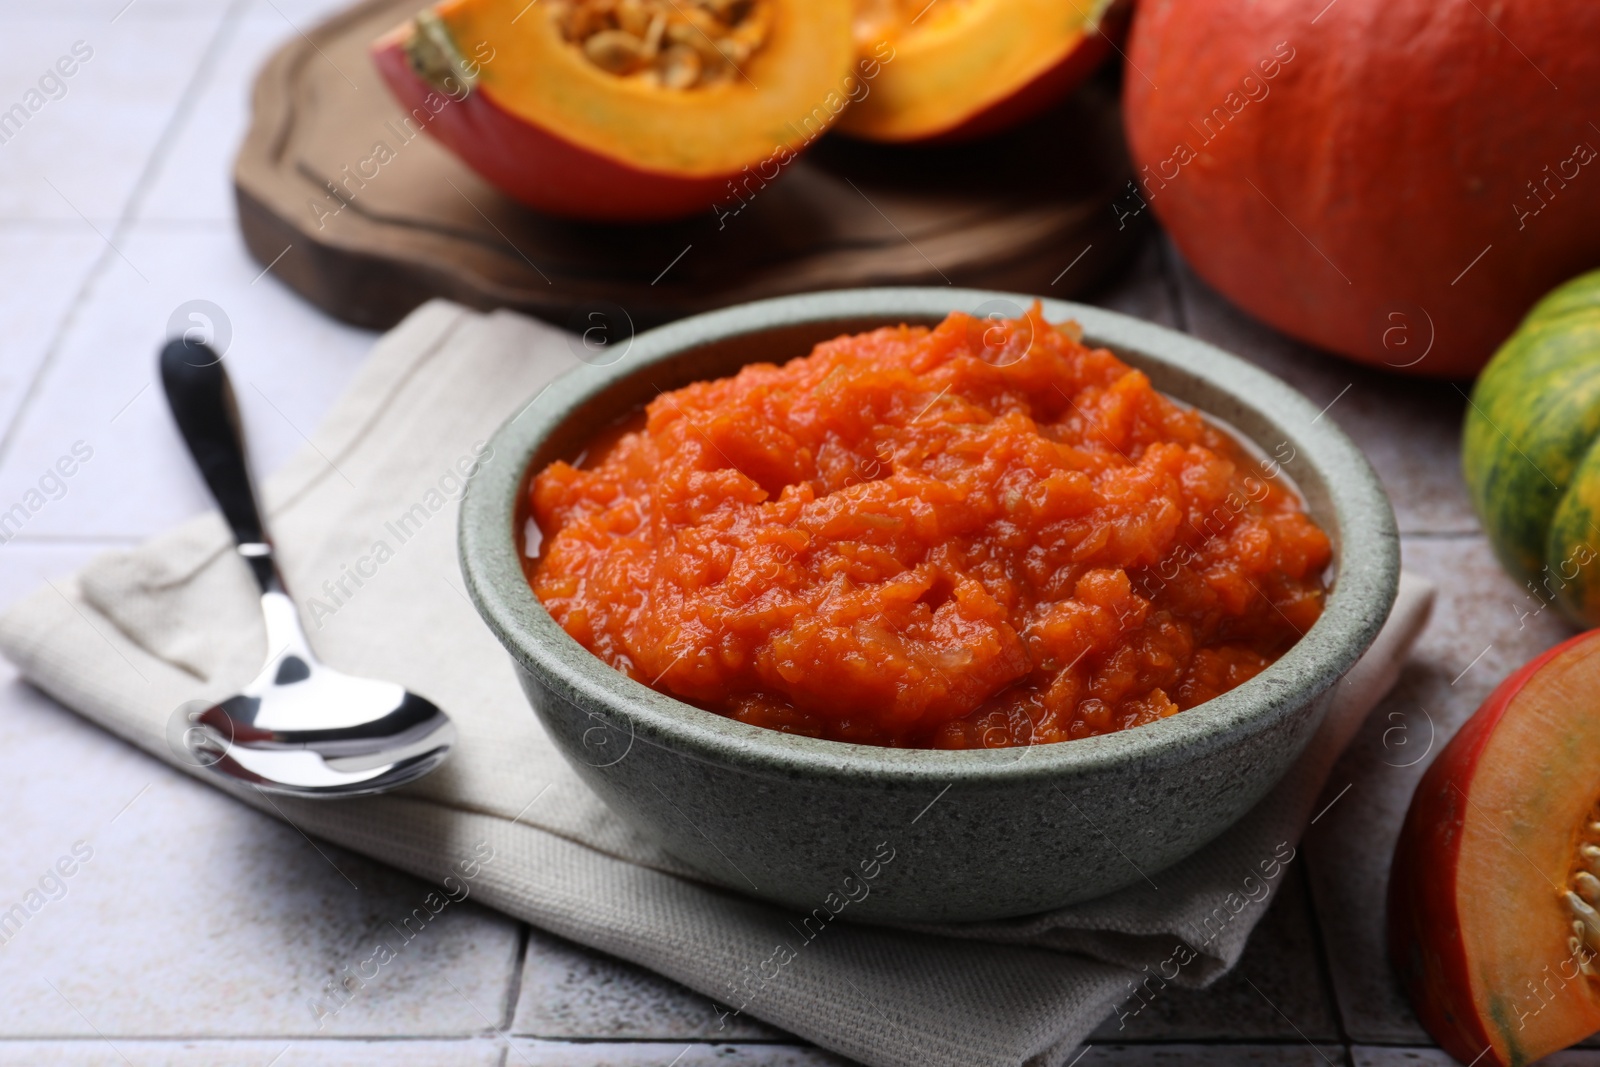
column 199, row 930
column 192, row 181
column 41, row 271
column 569, row 991
column 288, row 364
column 121, row 93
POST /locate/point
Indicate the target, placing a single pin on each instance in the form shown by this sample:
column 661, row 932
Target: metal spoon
column 300, row 728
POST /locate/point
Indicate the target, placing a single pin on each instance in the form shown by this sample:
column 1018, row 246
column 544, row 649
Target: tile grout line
column 1319, row 950
column 23, row 225
column 59, row 540
column 476, row 1037
column 226, row 27
column 514, row 985
column 48, row 226
column 292, row 1038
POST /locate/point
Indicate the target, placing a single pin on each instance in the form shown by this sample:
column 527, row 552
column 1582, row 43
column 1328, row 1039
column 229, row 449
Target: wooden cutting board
column 368, row 225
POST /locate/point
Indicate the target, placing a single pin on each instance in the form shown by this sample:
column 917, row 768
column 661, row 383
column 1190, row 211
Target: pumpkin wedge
column 1493, row 926
column 626, row 111
column 951, row 70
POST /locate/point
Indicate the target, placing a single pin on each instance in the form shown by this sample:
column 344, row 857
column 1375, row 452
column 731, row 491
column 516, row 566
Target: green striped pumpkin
column 1531, row 450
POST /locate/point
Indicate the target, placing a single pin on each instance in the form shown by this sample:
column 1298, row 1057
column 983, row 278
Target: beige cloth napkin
column 137, row 634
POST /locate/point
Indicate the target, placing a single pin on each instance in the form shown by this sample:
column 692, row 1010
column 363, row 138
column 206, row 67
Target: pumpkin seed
column 700, row 42
column 654, row 32
column 1588, row 886
column 634, row 16
column 680, row 67
column 700, row 19
column 616, row 51
column 1577, row 951
column 1587, row 923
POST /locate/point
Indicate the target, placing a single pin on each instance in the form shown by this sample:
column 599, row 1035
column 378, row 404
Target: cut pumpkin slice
column 1493, row 899
column 625, row 110
column 951, row 70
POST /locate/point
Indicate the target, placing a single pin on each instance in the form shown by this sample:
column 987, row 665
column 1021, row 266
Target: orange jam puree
column 979, row 535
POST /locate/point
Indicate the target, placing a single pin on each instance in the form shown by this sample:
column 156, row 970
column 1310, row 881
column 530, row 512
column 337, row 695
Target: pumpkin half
column 1530, row 450
column 1493, row 928
column 951, row 70
column 1395, row 180
column 628, row 111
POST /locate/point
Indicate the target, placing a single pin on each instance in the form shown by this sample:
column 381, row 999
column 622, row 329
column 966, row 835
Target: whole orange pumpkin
column 1394, row 180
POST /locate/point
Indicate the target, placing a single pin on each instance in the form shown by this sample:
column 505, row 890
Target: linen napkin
column 364, row 519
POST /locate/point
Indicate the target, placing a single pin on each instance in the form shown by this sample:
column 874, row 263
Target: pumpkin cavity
column 670, row 44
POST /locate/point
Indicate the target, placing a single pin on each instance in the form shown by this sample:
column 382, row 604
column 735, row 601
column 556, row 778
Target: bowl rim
column 1367, row 557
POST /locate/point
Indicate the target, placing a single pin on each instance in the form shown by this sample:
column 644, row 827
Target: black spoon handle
column 203, row 406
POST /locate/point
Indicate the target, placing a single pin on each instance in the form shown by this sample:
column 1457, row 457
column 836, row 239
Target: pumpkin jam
column 980, row 535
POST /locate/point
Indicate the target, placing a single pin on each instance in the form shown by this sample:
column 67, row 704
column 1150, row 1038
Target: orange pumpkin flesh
column 1489, row 873
column 952, row 70
column 1401, row 171
column 547, row 126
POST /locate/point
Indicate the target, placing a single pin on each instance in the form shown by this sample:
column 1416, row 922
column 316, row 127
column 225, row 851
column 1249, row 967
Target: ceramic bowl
column 969, row 834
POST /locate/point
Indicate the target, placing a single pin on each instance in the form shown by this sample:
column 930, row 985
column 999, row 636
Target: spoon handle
column 203, row 406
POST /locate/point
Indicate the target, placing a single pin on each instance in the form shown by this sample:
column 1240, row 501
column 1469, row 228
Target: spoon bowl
column 247, row 736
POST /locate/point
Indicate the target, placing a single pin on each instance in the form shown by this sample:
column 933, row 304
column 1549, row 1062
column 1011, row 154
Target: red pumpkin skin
column 1425, row 943
column 538, row 168
column 1395, row 147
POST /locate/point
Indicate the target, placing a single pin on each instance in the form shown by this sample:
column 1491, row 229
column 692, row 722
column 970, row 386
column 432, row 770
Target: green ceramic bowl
column 972, row 834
